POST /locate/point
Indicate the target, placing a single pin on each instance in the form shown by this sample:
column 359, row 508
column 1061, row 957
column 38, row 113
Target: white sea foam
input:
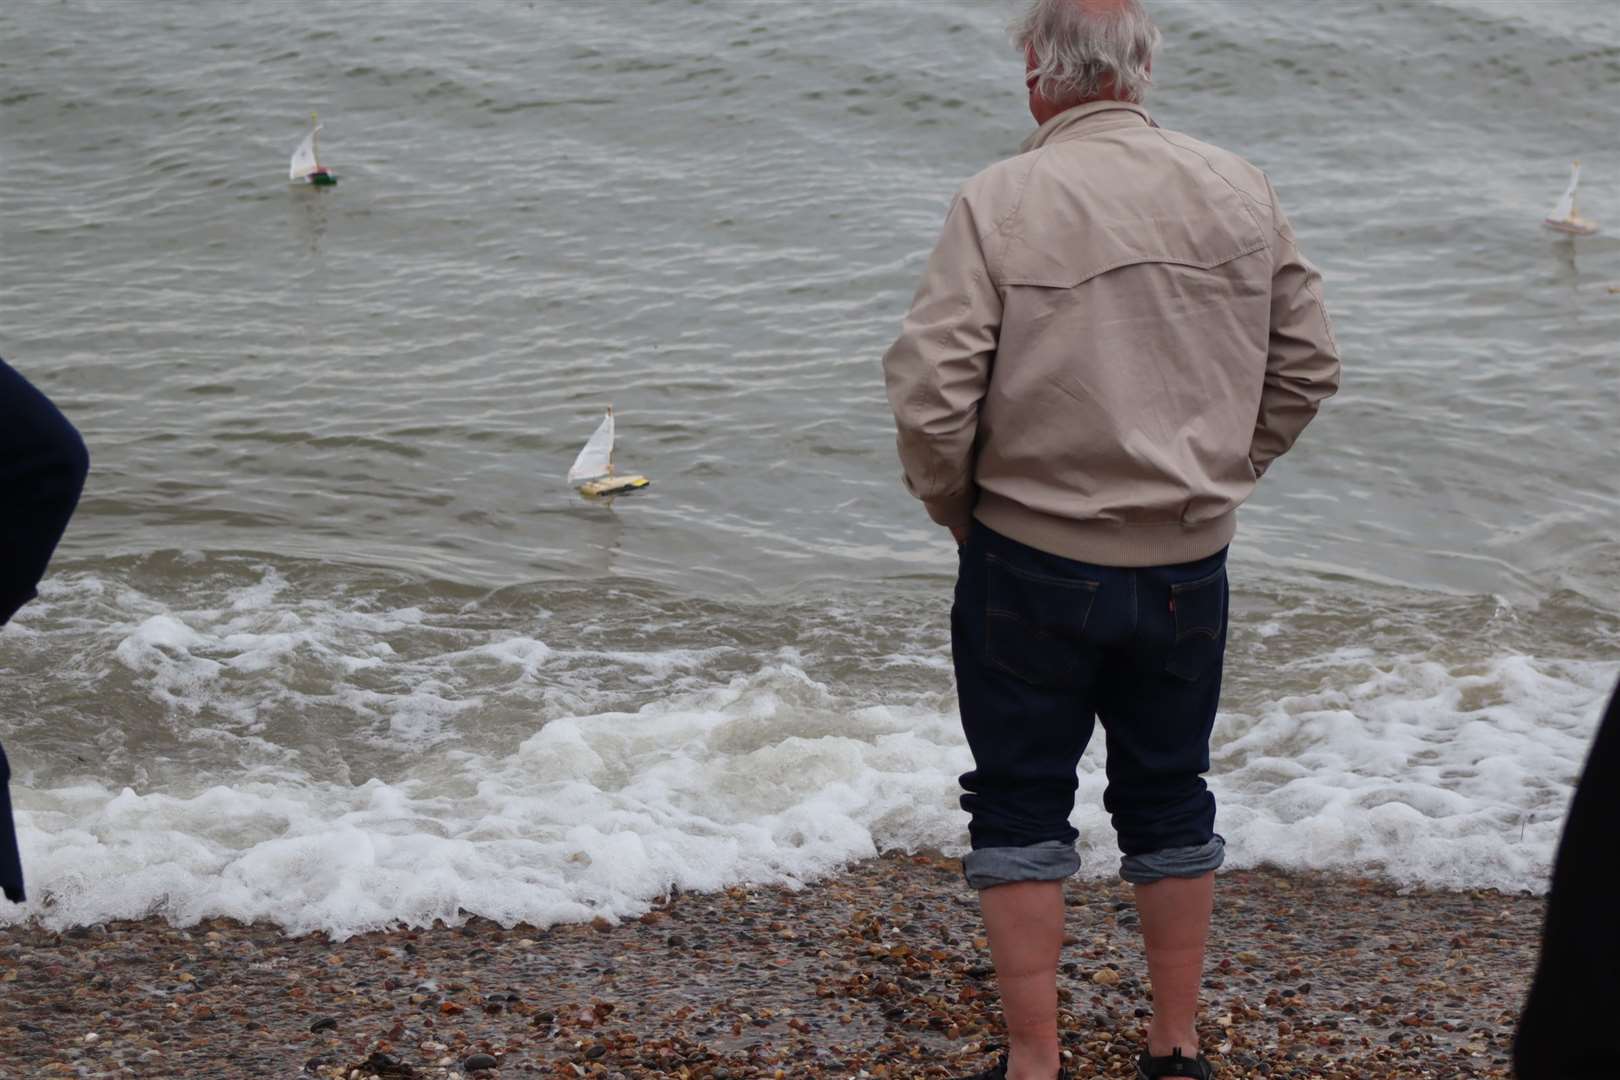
column 1417, row 773
column 354, row 765
column 588, row 816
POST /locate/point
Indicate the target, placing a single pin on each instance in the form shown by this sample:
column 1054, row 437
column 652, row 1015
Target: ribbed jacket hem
column 1106, row 543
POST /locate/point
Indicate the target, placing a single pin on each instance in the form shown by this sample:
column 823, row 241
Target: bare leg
column 1175, row 925
column 1024, row 921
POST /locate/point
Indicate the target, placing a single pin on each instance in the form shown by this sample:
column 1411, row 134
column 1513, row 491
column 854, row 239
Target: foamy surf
column 589, row 816
column 342, row 758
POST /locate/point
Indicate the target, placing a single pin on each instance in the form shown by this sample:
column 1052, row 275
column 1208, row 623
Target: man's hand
column 959, row 533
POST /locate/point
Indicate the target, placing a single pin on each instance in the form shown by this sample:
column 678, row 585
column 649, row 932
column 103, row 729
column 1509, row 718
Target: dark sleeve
column 43, row 464
column 1567, row 1022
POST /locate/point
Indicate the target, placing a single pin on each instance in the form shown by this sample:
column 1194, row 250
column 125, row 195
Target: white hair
column 1080, row 47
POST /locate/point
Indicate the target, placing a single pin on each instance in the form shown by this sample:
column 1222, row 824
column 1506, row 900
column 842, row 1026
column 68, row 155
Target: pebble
column 388, row 1065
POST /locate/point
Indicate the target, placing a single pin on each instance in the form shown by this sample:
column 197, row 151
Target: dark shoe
column 999, row 1072
column 1174, row 1064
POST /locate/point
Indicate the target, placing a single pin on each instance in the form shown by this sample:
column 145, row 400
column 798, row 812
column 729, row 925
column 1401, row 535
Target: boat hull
column 321, row 179
column 1570, row 228
column 613, row 485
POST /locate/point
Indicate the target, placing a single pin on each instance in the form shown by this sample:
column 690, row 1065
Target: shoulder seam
column 996, row 260
column 1249, row 200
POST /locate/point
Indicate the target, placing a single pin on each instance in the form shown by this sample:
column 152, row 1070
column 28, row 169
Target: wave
column 343, row 763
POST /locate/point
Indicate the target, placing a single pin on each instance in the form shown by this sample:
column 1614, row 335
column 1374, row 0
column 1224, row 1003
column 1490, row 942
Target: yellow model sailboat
column 593, row 473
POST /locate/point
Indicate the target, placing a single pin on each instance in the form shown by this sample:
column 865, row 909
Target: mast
column 315, row 139
column 610, row 445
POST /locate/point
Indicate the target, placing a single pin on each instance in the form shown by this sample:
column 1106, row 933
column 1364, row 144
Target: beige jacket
column 1114, row 338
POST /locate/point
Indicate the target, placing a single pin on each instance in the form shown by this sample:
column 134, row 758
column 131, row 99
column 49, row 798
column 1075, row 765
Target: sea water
column 331, row 643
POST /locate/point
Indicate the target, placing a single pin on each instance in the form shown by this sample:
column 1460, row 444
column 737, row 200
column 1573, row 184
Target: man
column 1114, row 339
column 42, row 468
column 1564, row 1029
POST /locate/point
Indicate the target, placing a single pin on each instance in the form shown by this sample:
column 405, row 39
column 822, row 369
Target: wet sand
column 880, row 971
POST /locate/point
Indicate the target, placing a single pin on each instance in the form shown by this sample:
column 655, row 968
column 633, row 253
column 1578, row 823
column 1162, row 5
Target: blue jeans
column 1044, row 647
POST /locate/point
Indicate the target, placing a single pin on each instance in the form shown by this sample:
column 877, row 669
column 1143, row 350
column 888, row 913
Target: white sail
column 596, row 460
column 303, row 159
column 1565, row 210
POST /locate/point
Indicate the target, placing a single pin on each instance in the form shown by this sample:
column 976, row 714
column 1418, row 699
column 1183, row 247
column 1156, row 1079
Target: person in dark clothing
column 1564, row 1029
column 43, row 464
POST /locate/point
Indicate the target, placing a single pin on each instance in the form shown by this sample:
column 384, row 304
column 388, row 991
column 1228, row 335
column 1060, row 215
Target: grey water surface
column 308, row 408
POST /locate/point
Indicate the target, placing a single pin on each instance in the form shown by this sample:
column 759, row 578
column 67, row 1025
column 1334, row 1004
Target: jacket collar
column 1087, row 119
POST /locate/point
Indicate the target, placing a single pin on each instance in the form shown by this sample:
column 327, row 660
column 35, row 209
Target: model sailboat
column 1565, row 218
column 593, row 473
column 306, row 163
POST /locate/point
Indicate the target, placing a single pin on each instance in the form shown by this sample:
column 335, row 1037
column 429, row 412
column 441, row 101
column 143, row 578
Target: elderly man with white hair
column 1114, row 339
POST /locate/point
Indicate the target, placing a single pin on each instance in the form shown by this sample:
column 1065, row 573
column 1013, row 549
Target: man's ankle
column 1032, row 1064
column 1163, row 1044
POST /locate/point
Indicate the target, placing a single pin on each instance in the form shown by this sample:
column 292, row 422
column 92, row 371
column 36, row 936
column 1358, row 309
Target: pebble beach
column 879, row 971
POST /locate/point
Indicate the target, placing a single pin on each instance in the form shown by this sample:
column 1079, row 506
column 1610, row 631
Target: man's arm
column 42, row 468
column 938, row 370
column 1302, row 362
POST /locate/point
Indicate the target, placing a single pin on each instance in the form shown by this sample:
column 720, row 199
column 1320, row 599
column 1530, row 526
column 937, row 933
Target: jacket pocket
column 1035, row 624
column 1200, row 610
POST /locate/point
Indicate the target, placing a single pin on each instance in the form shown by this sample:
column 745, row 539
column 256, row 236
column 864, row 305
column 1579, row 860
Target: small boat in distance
column 306, row 163
column 592, row 472
column 1565, row 218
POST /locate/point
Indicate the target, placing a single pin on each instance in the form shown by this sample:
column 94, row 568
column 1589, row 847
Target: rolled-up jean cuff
column 1181, row 862
column 1050, row 860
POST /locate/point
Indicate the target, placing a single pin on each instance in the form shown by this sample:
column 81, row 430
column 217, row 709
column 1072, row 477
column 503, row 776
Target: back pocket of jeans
column 1200, row 608
column 1035, row 624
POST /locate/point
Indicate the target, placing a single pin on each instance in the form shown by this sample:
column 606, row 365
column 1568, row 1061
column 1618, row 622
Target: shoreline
column 880, row 969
